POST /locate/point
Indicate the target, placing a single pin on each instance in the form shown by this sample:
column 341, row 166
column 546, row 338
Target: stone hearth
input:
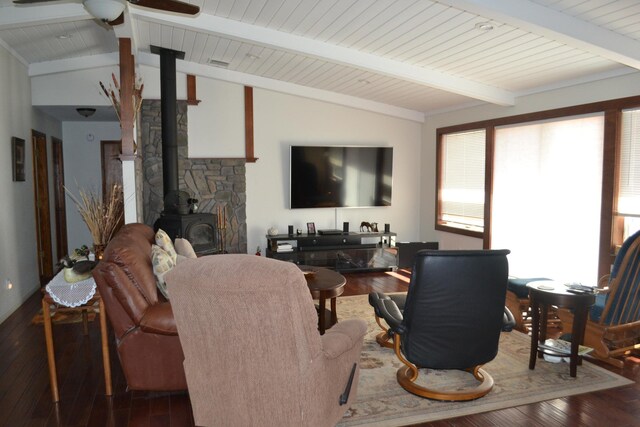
column 216, row 183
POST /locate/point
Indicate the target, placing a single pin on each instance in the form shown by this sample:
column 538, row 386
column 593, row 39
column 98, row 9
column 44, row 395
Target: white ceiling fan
column 112, row 11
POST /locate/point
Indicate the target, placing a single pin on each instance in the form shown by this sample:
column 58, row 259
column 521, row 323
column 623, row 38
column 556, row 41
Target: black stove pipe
column 168, row 110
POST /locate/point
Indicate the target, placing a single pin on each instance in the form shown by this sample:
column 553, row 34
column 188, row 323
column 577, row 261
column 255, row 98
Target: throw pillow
column 162, row 263
column 164, row 241
column 184, row 248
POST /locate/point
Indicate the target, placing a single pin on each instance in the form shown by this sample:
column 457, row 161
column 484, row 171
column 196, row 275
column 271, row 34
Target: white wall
column 217, row 123
column 82, row 169
column 18, row 251
column 74, row 87
column 282, row 120
column 618, row 87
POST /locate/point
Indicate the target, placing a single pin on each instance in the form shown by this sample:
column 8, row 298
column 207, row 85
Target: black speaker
column 387, row 228
column 291, row 230
column 345, row 227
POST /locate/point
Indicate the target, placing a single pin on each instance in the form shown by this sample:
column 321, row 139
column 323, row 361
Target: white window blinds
column 547, row 187
column 462, row 180
column 629, row 178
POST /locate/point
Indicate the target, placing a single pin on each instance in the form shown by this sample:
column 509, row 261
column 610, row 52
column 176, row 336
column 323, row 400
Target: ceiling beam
column 73, row 64
column 128, row 30
column 26, row 16
column 244, row 79
column 236, row 30
column 549, row 23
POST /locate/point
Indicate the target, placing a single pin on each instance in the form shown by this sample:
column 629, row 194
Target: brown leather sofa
column 145, row 330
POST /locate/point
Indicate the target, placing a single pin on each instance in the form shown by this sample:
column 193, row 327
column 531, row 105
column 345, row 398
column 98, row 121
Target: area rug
column 382, row 402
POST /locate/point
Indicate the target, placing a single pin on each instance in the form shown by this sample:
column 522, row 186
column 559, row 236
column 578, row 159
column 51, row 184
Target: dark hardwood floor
column 25, row 396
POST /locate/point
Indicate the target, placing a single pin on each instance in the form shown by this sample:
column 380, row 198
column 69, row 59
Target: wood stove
column 198, row 228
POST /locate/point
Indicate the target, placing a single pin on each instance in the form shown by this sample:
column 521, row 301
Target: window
column 628, row 202
column 547, row 191
column 462, row 180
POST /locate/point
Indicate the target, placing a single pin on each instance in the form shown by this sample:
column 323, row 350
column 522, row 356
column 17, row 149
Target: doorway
column 41, row 199
column 59, row 198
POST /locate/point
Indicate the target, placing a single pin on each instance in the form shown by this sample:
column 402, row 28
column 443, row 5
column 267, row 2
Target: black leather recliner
column 451, row 317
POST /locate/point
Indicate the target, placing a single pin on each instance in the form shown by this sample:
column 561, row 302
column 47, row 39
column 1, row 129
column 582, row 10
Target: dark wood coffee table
column 324, row 284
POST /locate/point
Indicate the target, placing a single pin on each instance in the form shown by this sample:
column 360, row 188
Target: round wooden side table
column 543, row 294
column 324, row 284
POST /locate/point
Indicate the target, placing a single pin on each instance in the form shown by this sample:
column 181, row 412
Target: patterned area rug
column 382, row 402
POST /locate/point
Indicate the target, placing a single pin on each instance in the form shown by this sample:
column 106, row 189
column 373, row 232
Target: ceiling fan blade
column 119, row 20
column 30, row 1
column 168, row 5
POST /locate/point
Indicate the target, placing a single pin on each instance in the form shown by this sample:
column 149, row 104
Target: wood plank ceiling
column 415, row 55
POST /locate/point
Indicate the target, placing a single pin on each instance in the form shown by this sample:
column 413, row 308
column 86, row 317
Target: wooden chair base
column 405, row 374
column 383, row 337
column 408, row 374
column 384, row 340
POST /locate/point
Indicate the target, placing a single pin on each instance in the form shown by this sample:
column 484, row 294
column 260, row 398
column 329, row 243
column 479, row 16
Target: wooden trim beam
column 127, row 73
column 248, row 124
column 612, row 123
column 191, row 90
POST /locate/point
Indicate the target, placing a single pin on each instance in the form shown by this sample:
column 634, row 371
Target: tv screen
column 340, row 176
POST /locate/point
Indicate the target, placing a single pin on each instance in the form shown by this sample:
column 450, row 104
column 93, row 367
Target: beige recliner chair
column 253, row 354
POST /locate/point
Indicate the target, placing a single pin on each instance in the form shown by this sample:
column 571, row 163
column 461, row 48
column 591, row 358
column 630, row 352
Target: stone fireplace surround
column 216, row 183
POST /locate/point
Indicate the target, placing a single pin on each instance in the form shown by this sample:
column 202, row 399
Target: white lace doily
column 71, row 294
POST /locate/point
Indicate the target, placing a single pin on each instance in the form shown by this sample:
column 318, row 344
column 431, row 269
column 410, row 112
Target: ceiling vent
column 217, row 63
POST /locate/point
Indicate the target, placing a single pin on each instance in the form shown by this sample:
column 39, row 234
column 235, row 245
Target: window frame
column 610, row 229
column 442, row 225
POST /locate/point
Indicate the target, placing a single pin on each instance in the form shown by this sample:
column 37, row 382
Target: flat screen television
column 340, row 176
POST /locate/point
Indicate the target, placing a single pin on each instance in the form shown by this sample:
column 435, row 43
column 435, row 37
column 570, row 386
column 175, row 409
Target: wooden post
column 127, row 76
column 248, row 124
column 191, row 90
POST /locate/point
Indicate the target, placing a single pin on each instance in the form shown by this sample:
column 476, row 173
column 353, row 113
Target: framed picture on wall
column 17, row 157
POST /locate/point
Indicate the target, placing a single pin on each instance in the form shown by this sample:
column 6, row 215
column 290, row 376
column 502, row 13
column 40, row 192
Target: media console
column 343, row 252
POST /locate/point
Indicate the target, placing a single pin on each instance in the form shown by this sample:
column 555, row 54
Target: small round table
column 324, row 284
column 542, row 294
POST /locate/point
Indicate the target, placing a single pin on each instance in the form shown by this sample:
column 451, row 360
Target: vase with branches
column 101, row 214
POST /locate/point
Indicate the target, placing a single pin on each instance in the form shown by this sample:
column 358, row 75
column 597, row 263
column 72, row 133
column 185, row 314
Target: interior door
column 41, row 196
column 59, row 198
column 110, row 152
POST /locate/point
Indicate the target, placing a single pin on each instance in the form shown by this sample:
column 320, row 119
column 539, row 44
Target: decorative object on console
column 272, row 231
column 387, row 228
column 345, row 227
column 311, row 228
column 370, row 227
column 102, row 216
column 290, row 230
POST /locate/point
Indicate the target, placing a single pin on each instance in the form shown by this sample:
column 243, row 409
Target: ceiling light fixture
column 484, row 26
column 364, row 81
column 86, row 111
column 105, row 10
column 64, row 36
column 252, row 56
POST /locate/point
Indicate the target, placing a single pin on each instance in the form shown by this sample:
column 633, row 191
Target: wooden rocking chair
column 613, row 327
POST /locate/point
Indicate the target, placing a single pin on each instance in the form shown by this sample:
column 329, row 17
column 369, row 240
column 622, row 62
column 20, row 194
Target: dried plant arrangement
column 102, row 216
column 112, row 92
